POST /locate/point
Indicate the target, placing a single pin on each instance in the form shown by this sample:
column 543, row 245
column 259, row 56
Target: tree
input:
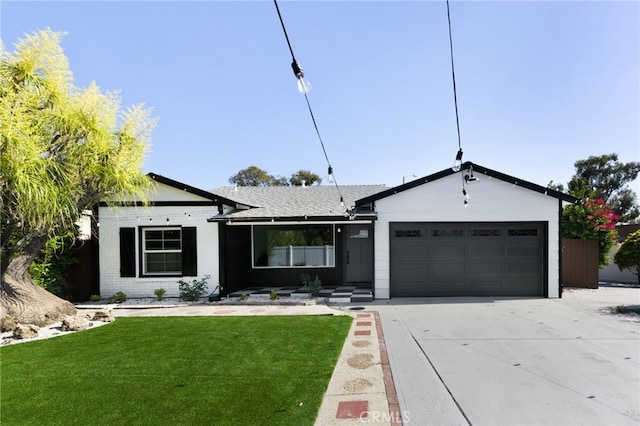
column 255, row 176
column 63, row 150
column 628, row 255
column 605, row 177
column 308, row 177
column 591, row 220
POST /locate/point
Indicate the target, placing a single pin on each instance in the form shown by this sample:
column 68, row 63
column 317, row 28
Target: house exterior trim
column 478, row 169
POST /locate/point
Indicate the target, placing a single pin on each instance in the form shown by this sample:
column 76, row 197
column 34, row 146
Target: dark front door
column 359, row 253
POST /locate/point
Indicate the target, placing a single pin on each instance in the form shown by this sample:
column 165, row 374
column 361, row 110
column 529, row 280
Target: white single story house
column 416, row 239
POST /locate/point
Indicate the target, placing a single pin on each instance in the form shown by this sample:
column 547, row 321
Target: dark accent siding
column 127, row 252
column 189, row 252
column 237, row 271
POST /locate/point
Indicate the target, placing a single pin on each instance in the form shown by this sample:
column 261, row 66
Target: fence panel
column 580, row 263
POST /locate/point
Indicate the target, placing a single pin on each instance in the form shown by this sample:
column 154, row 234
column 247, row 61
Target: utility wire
column 298, row 73
column 455, row 102
column 284, row 30
column 453, row 75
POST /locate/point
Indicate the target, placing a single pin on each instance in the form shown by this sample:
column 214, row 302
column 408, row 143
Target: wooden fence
column 580, row 263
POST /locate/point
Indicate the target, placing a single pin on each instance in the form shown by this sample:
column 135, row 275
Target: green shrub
column 119, row 297
column 315, row 287
column 243, row 296
column 628, row 255
column 95, row 298
column 273, row 295
column 50, row 269
column 160, row 292
column 194, row 290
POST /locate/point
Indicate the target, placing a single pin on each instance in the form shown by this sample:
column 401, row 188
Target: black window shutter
column 189, row 252
column 127, row 252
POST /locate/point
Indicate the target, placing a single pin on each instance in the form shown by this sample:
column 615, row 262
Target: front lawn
column 175, row 371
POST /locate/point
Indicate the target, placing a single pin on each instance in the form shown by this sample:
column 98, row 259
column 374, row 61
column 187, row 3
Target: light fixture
column 330, row 173
column 467, row 197
column 458, row 163
column 303, row 84
column 341, row 201
column 469, row 177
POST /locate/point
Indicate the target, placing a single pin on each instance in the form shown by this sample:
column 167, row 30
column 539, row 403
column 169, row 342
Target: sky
column 540, row 84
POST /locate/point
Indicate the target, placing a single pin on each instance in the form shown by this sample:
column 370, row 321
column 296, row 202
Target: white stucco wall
column 492, row 200
column 112, row 219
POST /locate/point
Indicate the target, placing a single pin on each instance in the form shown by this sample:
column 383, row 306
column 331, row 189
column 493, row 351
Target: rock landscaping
column 28, row 332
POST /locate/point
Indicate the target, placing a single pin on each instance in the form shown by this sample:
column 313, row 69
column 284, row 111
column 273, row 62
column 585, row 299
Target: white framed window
column 162, row 251
column 293, row 246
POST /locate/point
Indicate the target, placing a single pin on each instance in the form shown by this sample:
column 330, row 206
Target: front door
column 359, row 255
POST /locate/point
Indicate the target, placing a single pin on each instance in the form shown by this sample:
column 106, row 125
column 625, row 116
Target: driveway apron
column 494, row 361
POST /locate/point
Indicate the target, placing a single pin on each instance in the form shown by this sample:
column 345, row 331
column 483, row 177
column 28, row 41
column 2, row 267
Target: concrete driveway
column 492, row 361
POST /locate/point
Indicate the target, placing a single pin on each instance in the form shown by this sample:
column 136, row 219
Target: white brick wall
column 111, row 220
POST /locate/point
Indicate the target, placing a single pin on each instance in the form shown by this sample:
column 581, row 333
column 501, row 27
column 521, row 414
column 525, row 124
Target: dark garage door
column 467, row 259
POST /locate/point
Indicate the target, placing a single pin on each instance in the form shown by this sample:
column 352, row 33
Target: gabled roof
column 293, row 202
column 217, row 199
column 477, row 170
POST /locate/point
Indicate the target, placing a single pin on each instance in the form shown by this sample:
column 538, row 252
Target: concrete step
column 358, row 298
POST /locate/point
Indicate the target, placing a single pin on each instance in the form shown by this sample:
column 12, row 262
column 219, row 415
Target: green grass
column 175, row 371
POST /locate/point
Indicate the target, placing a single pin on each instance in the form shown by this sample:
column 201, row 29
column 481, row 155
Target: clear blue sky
column 540, row 84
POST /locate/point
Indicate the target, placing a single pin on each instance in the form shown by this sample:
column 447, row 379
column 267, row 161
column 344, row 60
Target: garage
column 467, row 259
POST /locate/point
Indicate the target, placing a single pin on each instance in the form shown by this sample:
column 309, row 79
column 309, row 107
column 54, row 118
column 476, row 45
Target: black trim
column 127, row 252
column 192, row 189
column 545, row 255
column 189, row 252
column 301, row 219
column 560, row 249
column 214, row 199
column 160, row 204
column 478, row 169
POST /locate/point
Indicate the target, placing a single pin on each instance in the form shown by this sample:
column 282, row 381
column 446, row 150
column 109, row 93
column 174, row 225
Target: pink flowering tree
column 591, row 220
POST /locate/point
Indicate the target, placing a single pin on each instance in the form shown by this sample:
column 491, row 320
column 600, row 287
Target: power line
column 453, row 77
column 303, row 87
column 458, row 161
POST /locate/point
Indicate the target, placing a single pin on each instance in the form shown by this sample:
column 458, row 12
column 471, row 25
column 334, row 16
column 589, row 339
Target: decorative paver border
column 361, row 390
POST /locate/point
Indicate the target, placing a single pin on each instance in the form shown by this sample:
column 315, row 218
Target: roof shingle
column 294, row 201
